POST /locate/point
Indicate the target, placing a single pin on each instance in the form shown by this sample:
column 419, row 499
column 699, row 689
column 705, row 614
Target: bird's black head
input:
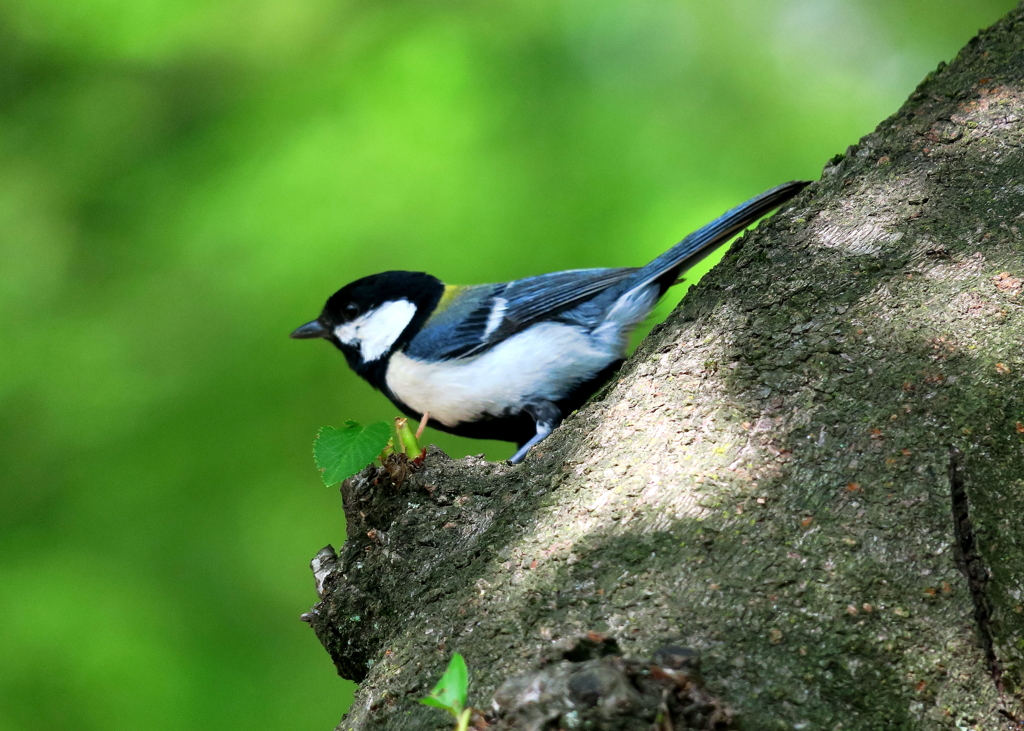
column 374, row 316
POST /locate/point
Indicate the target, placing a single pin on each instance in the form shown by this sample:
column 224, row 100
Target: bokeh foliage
column 182, row 182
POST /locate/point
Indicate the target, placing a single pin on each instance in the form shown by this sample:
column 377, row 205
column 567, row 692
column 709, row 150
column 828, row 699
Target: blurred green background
column 182, row 182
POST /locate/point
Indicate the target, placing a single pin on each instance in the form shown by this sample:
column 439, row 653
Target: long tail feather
column 701, row 242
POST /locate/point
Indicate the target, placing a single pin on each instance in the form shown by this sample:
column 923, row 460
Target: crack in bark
column 971, row 564
column 1010, row 717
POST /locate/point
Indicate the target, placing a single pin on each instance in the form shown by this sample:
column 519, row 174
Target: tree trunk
column 812, row 473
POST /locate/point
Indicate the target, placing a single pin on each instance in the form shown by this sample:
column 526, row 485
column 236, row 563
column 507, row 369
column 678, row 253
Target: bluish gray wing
column 544, row 297
column 458, row 324
column 526, row 301
column 481, row 316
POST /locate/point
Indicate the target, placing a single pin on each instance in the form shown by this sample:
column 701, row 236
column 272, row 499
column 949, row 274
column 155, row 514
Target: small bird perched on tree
column 508, row 361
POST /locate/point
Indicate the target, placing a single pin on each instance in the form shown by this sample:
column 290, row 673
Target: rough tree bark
column 812, row 473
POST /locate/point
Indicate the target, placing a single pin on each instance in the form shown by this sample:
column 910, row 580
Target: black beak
column 313, row 329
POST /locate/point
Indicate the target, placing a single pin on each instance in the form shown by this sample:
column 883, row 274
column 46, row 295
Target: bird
column 508, row 361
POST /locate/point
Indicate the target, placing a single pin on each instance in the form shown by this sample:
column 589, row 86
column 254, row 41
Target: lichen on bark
column 812, row 472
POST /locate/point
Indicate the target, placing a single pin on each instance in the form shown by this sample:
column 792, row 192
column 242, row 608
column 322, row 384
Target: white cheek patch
column 377, row 330
column 348, row 333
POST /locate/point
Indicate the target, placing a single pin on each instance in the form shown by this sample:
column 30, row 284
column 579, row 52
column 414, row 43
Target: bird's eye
column 351, row 310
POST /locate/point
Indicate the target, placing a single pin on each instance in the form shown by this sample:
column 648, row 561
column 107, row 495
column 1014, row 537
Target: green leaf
column 452, row 689
column 428, row 701
column 340, row 453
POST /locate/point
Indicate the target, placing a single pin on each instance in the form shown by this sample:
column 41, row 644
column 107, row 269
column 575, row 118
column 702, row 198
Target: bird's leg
column 547, row 416
column 423, row 424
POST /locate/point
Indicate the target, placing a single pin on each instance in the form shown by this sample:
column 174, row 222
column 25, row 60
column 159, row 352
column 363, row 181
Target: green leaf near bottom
column 341, row 453
column 452, row 690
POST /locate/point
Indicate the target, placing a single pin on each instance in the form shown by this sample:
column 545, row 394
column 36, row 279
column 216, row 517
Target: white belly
column 545, row 361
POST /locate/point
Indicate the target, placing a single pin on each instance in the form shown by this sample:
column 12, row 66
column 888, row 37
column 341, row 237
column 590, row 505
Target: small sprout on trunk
column 451, row 693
